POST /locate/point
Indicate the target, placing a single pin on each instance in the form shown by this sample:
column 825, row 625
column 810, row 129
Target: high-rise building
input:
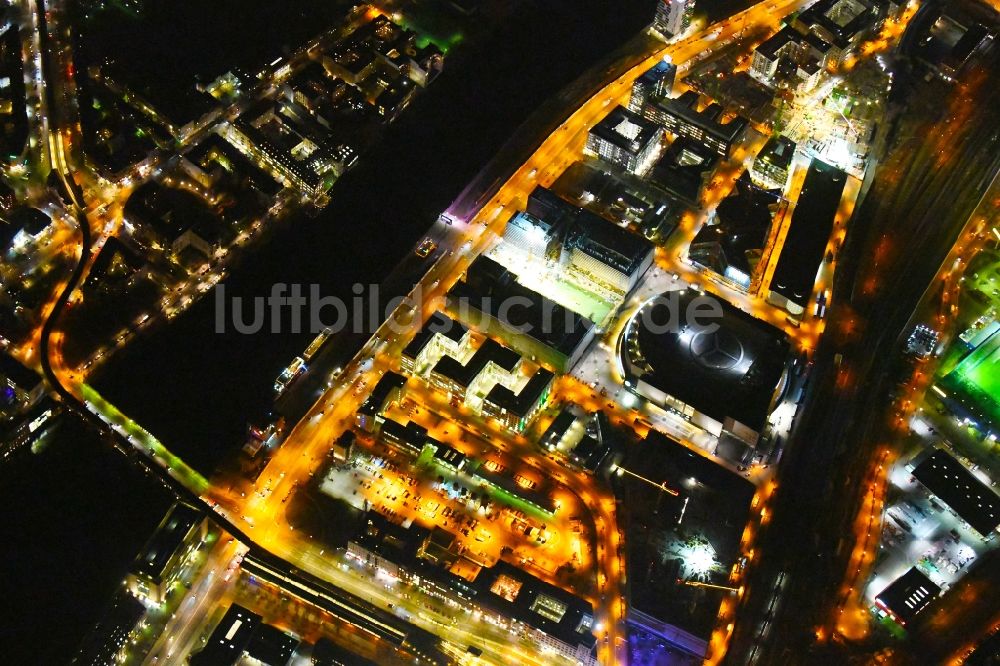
column 672, row 16
column 656, row 83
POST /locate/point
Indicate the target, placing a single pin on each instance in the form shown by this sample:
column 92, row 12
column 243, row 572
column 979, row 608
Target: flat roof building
column 229, row 640
column 732, row 244
column 680, row 116
column 559, row 619
column 155, row 568
column 608, row 252
column 725, row 377
column 516, row 409
column 626, row 139
column 656, row 83
column 456, row 378
column 808, row 234
column 440, row 336
column 684, row 169
column 388, row 390
column 771, row 166
column 537, row 328
column 409, row 438
column 971, row 499
column 907, row 596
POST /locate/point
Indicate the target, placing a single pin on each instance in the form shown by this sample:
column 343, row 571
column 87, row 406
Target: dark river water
column 195, row 389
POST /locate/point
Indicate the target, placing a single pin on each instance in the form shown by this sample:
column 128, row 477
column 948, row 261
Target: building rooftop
column 388, row 383
column 695, row 534
column 607, row 242
column 518, row 594
column 626, row 130
column 808, row 232
column 548, row 206
column 683, row 168
column 411, row 436
column 778, row 151
column 970, row 498
column 779, row 40
column 167, row 538
column 21, row 375
column 551, row 324
column 438, row 323
column 448, row 455
column 529, row 395
column 490, row 351
column 743, row 221
column 909, row 594
column 733, row 372
column 841, row 19
column 230, row 638
column 685, row 108
column 271, row 646
column 328, row 653
column 557, row 429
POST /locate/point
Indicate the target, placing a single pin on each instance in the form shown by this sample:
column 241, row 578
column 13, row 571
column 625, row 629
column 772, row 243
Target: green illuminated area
column 978, row 378
column 140, row 437
column 432, row 27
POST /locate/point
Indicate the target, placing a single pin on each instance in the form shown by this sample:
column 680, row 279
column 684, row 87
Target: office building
column 684, row 170
column 491, row 364
column 156, row 568
column 106, row 642
column 907, row 596
column 24, row 429
column 655, row 84
column 537, row 328
column 625, row 139
column 387, row 391
column 552, row 616
column 607, row 253
column 243, row 636
column 408, row 439
column 771, row 166
column 672, row 16
column 516, row 409
column 690, row 535
column 681, row 117
column 534, row 236
column 440, row 336
column 732, row 242
column 22, row 388
column 808, row 234
column 600, row 448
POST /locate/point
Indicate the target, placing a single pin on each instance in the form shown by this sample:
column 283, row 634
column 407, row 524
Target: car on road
column 426, row 247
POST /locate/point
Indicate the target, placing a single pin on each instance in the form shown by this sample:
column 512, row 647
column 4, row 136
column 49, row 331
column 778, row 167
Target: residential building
column 672, row 16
